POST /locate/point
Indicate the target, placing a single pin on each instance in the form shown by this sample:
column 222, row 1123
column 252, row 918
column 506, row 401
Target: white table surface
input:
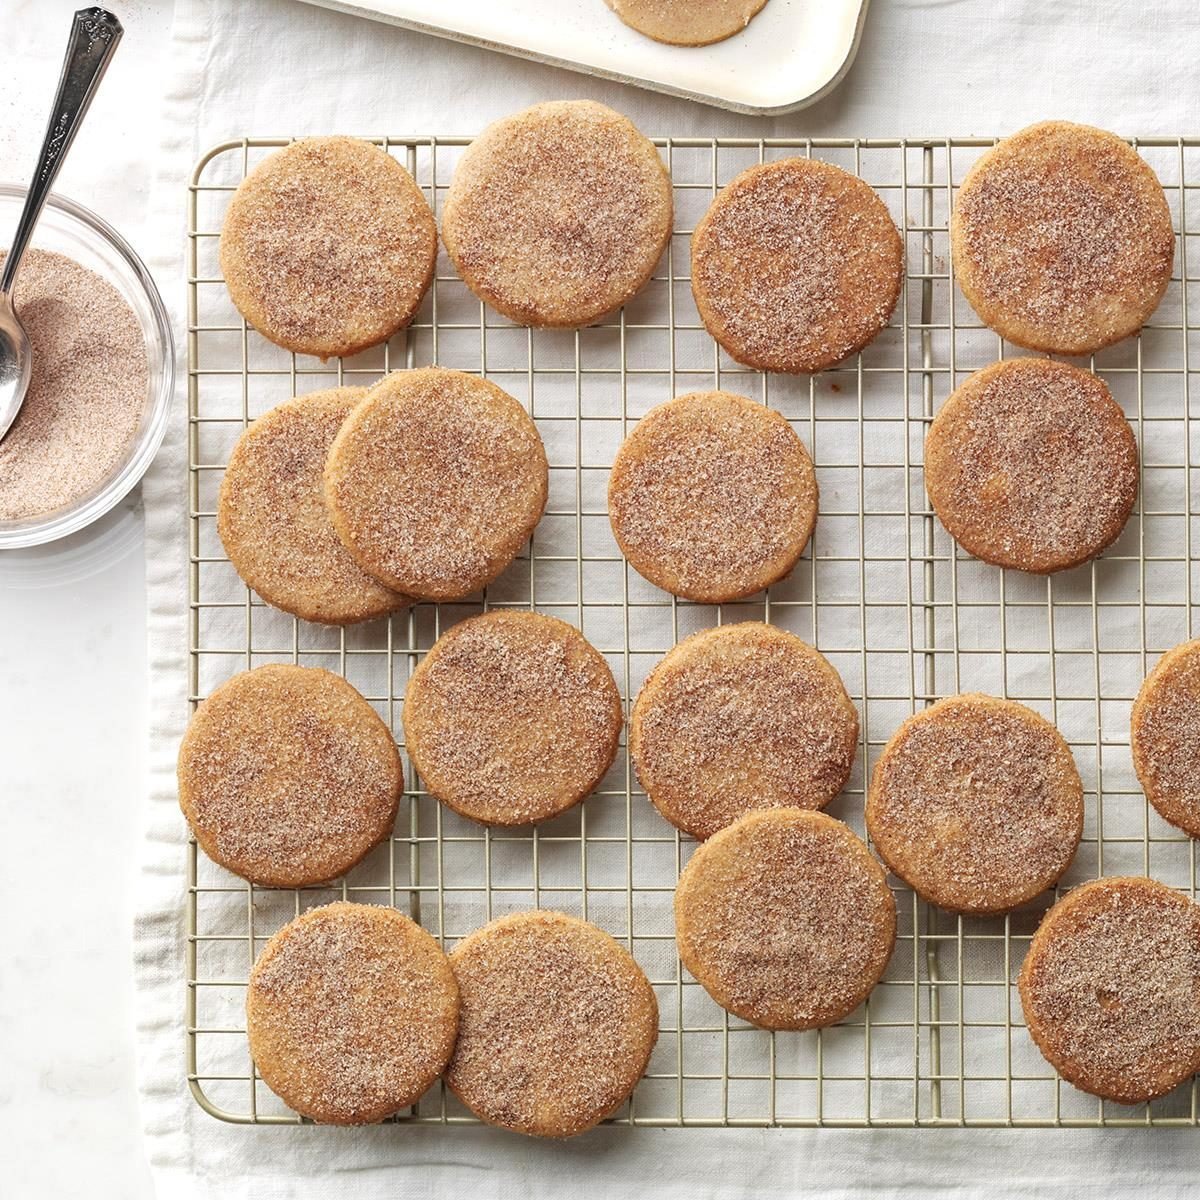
column 72, row 653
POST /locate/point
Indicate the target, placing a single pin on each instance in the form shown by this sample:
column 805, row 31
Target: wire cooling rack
column 882, row 591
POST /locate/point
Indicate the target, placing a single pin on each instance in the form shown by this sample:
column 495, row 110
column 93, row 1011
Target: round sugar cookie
column 796, row 266
column 328, row 246
column 687, row 22
column 558, row 1022
column 512, row 718
column 785, row 918
column 1062, row 238
column 272, row 519
column 1165, row 737
column 712, row 497
column 558, row 214
column 288, row 777
column 435, row 481
column 1111, row 988
column 351, row 1012
column 976, row 804
column 1032, row 464
column 737, row 718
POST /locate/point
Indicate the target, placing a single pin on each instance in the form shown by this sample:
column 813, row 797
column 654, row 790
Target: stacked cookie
column 337, row 507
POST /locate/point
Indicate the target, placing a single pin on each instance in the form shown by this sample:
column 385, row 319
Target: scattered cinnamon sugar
column 557, row 1024
column 976, row 803
column 1111, row 988
column 796, row 266
column 740, row 717
column 87, row 393
column 512, row 717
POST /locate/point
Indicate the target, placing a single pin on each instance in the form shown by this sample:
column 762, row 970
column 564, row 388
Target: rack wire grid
column 882, row 591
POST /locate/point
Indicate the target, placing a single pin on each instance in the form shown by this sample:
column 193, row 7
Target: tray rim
column 640, row 81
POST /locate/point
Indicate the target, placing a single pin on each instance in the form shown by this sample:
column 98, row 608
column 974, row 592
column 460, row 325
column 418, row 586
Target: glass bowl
column 68, row 228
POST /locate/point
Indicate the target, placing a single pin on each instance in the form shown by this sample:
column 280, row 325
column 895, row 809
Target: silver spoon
column 94, row 36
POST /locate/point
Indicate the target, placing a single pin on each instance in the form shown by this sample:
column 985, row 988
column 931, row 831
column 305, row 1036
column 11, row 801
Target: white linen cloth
column 273, row 67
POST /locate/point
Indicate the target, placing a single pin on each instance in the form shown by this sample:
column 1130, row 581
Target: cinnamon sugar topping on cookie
column 558, row 214
column 712, row 496
column 1032, row 464
column 786, row 919
column 1166, row 737
column 512, row 717
column 976, row 804
column 352, row 1012
column 274, row 525
column 796, row 266
column 1062, row 238
column 737, row 718
column 287, row 776
column 1111, row 988
column 435, row 482
column 558, row 1022
column 328, row 246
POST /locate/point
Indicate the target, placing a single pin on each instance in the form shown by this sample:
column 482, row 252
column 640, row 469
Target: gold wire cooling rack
column 882, row 591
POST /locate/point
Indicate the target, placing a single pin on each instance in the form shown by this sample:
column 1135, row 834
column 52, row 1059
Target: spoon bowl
column 16, row 364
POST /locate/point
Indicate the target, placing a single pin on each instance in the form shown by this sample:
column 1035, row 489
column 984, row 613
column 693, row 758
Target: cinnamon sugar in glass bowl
column 69, row 229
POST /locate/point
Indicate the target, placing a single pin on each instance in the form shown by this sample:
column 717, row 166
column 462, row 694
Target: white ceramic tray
column 792, row 53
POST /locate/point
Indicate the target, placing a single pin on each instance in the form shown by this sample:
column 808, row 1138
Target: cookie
column 737, row 718
column 786, row 919
column 1061, row 239
column 558, row 1022
column 328, row 246
column 288, row 777
column 1031, row 464
column 796, row 266
column 1111, row 988
column 272, row 519
column 1165, row 737
column 712, row 497
column 512, row 718
column 435, row 482
column 351, row 1012
column 687, row 22
column 558, row 214
column 976, row 804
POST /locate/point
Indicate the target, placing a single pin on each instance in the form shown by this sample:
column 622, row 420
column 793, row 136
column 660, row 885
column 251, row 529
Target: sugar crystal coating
column 1061, row 238
column 558, row 214
column 1032, row 464
column 741, row 717
column 785, row 918
column 512, row 717
column 796, row 266
column 351, row 1012
column 287, row 776
column 976, row 803
column 1110, row 988
column 712, row 496
column 558, row 1022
